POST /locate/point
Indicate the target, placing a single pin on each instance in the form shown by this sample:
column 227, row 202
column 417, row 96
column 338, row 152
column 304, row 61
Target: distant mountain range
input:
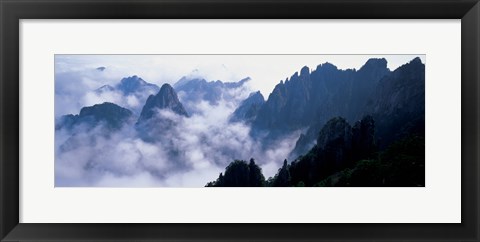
column 133, row 89
column 193, row 90
column 131, row 85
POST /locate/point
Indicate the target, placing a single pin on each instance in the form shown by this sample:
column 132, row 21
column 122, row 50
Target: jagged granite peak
column 416, row 60
column 327, row 66
column 108, row 114
column 315, row 96
column 166, row 98
column 248, row 108
column 305, row 71
column 256, row 97
column 374, row 63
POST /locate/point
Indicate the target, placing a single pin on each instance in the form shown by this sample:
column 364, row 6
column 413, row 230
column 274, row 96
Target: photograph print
column 239, row 121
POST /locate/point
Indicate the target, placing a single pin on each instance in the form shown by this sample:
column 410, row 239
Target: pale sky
column 265, row 70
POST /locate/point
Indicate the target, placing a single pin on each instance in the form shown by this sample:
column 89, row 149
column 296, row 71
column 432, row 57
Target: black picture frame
column 12, row 11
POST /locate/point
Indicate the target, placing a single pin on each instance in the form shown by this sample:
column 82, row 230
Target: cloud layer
column 189, row 154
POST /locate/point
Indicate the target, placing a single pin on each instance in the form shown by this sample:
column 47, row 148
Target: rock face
column 313, row 97
column 363, row 138
column 192, row 91
column 248, row 109
column 396, row 102
column 152, row 125
column 335, row 143
column 338, row 146
column 112, row 116
column 166, row 98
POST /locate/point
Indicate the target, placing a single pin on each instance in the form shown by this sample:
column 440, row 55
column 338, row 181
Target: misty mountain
column 135, row 84
column 133, row 89
column 192, row 91
column 339, row 146
column 354, row 127
column 166, row 98
column 151, row 124
column 248, row 109
column 131, row 85
column 110, row 115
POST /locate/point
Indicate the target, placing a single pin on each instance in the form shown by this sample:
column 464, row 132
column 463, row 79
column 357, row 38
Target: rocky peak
column 166, row 98
column 131, row 84
column 305, row 71
column 108, row 114
column 249, row 108
column 374, row 63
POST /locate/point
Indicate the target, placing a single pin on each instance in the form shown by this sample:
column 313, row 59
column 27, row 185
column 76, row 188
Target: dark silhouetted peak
column 166, row 98
column 374, row 63
column 101, row 68
column 167, row 89
column 239, row 173
column 413, row 67
column 416, row 60
column 248, row 109
column 305, row 71
column 105, row 109
column 108, row 114
column 256, row 97
column 327, row 66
